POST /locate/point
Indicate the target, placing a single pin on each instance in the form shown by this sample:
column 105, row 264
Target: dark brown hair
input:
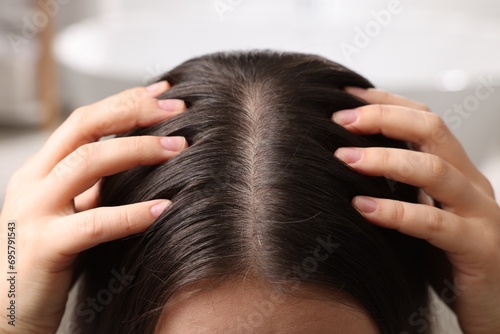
column 257, row 191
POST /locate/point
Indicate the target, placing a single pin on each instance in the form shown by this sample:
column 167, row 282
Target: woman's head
column 258, row 200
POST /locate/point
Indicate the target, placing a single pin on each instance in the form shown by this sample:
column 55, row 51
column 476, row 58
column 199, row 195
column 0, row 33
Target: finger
column 444, row 230
column 426, row 130
column 88, row 199
column 136, row 107
column 436, row 177
column 87, row 229
column 379, row 96
column 84, row 167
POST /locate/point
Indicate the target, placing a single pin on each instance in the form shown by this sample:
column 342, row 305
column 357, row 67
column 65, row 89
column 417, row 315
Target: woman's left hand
column 466, row 227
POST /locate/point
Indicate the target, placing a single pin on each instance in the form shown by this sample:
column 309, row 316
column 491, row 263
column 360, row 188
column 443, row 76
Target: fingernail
column 171, row 104
column 345, row 117
column 365, row 204
column 348, row 155
column 157, row 209
column 176, row 143
column 355, row 90
column 157, row 86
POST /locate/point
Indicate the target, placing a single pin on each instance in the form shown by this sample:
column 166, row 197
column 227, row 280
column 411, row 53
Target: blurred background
column 56, row 55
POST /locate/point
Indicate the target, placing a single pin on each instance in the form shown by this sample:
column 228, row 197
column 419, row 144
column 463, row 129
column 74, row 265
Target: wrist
column 7, row 326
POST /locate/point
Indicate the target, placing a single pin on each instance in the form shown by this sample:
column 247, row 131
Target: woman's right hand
column 45, row 221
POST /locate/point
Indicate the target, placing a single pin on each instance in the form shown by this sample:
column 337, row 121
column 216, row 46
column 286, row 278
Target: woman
column 260, row 208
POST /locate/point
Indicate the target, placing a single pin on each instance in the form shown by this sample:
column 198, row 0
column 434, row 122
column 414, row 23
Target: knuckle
column 439, row 169
column 489, row 188
column 134, row 96
column 486, row 186
column 60, row 170
column 398, row 212
column 114, row 118
column 127, row 221
column 85, row 155
column 422, row 106
column 436, row 132
column 16, row 177
column 384, row 95
column 406, row 168
column 90, row 227
column 435, row 221
column 79, row 119
column 383, row 110
column 107, row 125
column 80, row 159
column 79, row 115
column 15, row 181
column 384, row 157
column 137, row 145
column 383, row 116
column 435, row 124
column 124, row 103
